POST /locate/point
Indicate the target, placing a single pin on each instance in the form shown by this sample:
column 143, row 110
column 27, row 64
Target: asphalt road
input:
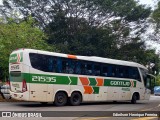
column 92, row 109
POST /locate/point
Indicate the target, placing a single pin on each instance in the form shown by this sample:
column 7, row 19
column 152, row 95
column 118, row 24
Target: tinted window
column 42, row 62
column 134, row 73
column 45, row 63
column 86, row 68
column 144, row 75
column 71, row 66
column 105, row 70
column 97, row 69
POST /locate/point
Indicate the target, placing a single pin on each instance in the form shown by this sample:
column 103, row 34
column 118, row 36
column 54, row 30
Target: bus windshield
column 149, row 80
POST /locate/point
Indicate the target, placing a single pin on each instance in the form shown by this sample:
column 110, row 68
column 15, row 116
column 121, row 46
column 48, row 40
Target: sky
column 147, row 2
column 0, row 2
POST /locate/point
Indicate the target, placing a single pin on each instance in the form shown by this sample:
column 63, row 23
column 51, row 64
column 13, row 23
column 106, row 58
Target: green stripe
column 66, row 80
column 46, row 79
column 13, row 58
column 117, row 83
column 93, row 81
column 134, row 83
column 74, row 80
column 96, row 90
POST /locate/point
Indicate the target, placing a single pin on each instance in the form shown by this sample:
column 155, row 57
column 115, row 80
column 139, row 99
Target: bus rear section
column 18, row 79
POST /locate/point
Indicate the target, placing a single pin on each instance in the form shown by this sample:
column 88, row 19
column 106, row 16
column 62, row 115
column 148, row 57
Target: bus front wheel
column 60, row 99
column 134, row 99
column 75, row 99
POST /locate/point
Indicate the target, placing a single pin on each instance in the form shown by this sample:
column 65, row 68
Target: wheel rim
column 60, row 99
column 76, row 99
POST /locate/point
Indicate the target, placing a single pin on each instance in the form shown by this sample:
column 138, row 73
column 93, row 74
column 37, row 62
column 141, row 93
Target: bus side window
column 44, row 63
column 78, row 67
column 97, row 69
column 134, row 73
column 50, row 64
column 105, row 70
column 59, row 65
column 126, row 71
column 89, row 69
column 54, row 64
column 86, row 68
column 113, row 71
column 65, row 65
column 121, row 71
column 109, row 70
column 72, row 66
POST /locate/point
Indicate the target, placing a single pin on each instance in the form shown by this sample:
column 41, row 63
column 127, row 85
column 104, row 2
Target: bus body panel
column 43, row 86
column 20, row 96
column 38, row 92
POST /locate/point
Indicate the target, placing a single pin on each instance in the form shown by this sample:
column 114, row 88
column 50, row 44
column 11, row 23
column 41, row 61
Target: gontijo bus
column 44, row 77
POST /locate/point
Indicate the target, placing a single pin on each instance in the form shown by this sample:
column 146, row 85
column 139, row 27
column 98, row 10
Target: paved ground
column 119, row 107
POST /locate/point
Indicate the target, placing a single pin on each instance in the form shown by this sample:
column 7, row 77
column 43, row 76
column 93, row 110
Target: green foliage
column 155, row 19
column 156, row 16
column 21, row 34
column 157, row 81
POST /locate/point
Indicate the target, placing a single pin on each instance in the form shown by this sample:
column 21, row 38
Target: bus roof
column 87, row 58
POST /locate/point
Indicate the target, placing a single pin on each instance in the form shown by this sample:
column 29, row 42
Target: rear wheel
column 75, row 99
column 134, row 99
column 60, row 99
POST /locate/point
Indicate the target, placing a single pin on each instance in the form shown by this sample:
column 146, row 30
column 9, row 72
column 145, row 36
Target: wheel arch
column 78, row 92
column 64, row 91
column 137, row 95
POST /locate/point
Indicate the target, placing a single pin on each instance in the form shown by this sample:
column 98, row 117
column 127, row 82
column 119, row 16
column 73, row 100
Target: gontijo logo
column 120, row 83
column 18, row 57
column 123, row 83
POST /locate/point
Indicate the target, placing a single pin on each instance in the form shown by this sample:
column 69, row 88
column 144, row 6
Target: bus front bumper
column 20, row 96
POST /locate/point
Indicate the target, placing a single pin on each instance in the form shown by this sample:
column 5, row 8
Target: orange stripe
column 88, row 90
column 99, row 81
column 72, row 56
column 84, row 80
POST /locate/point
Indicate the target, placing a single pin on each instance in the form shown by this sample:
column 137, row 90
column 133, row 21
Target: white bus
column 44, row 77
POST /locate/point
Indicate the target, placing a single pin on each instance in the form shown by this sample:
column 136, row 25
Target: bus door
column 149, row 85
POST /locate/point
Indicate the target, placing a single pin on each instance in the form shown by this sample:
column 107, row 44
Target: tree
column 96, row 12
column 156, row 16
column 155, row 22
column 93, row 24
column 106, row 28
column 21, row 34
column 157, row 81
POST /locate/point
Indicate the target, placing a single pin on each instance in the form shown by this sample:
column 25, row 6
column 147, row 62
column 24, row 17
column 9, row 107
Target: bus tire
column 60, row 99
column 44, row 103
column 7, row 96
column 75, row 99
column 134, row 99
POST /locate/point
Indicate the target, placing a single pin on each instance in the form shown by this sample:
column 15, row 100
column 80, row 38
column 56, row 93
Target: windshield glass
column 144, row 77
